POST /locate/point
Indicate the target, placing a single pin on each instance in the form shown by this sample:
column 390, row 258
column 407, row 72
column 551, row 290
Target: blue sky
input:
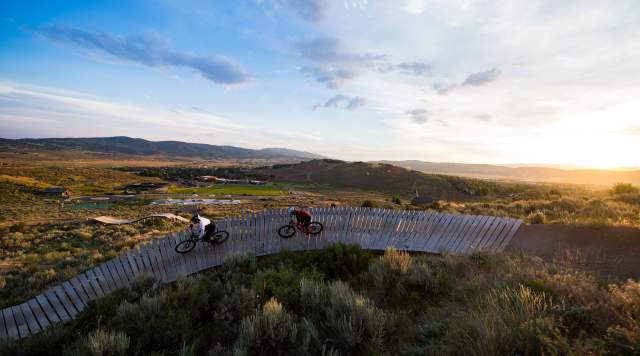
column 465, row 81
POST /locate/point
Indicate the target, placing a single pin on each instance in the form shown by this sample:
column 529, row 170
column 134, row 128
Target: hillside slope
column 137, row 146
column 540, row 174
column 380, row 177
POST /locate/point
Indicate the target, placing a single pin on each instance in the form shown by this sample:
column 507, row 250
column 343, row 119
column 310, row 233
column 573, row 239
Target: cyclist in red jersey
column 302, row 216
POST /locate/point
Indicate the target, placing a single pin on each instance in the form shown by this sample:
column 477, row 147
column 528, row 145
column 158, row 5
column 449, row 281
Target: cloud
column 419, row 116
column 149, row 50
column 481, row 78
column 310, row 10
column 473, row 79
column 414, row 68
column 415, row 7
column 332, row 77
column 333, row 63
column 343, row 102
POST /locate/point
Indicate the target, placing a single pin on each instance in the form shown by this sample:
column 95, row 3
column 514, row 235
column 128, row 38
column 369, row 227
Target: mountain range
column 599, row 177
column 139, row 147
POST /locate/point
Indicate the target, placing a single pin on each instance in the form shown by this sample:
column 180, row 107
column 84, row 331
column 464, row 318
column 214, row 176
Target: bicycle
column 289, row 230
column 218, row 237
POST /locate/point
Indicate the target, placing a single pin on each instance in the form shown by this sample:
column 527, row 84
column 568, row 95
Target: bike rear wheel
column 219, row 237
column 287, row 231
column 315, row 228
column 185, row 246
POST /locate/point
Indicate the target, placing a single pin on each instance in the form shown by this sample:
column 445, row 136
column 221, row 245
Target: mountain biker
column 202, row 227
column 303, row 217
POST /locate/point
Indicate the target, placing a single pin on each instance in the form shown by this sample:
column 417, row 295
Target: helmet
column 195, row 218
column 290, row 210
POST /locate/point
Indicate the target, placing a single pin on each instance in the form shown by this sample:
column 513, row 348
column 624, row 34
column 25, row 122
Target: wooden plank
column 57, row 306
column 473, row 235
column 466, row 224
column 155, row 246
column 48, row 309
column 103, row 279
column 77, row 286
column 424, row 230
column 39, row 313
column 466, row 236
column 30, row 318
column 493, row 234
column 480, row 233
column 512, row 231
column 10, row 323
column 120, row 281
column 73, row 296
column 429, row 226
column 124, row 277
column 21, row 324
column 445, row 233
column 64, row 299
column 457, row 232
column 488, row 233
column 3, row 328
column 126, row 267
column 93, row 282
column 439, row 228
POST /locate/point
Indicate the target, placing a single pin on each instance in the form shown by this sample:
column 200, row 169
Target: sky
column 511, row 81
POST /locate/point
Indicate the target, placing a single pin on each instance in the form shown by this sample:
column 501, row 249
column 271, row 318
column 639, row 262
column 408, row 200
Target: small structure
column 58, row 192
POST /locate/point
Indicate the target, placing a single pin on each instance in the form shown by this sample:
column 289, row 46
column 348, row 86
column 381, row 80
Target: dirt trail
column 611, row 250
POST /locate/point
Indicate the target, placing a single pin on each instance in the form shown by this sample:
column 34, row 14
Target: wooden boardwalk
column 371, row 229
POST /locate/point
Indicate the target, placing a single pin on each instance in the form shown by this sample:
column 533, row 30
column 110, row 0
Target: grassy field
column 345, row 301
column 231, row 189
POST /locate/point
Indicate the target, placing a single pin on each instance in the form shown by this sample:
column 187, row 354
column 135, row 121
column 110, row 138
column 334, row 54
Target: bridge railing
column 371, row 229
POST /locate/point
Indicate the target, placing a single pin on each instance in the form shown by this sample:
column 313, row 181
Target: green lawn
column 231, row 189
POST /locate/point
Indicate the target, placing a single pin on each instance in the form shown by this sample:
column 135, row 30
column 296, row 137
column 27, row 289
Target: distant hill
column 140, row 147
column 380, row 177
column 531, row 174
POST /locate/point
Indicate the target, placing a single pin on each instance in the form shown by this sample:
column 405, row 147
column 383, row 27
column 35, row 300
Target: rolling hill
column 139, row 147
column 531, row 174
column 384, row 178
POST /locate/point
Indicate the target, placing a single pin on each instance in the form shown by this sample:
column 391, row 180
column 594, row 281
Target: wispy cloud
column 149, row 50
column 419, row 116
column 343, row 102
column 481, row 78
column 332, row 62
column 310, row 10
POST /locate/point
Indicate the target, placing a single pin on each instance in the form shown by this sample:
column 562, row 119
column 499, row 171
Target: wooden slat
column 48, row 309
column 493, row 234
column 94, row 281
column 64, row 300
column 512, row 231
column 3, row 328
column 73, row 296
column 466, row 235
column 30, row 318
column 466, row 224
column 457, row 232
column 10, row 323
column 77, row 286
column 57, row 306
column 39, row 313
column 21, row 324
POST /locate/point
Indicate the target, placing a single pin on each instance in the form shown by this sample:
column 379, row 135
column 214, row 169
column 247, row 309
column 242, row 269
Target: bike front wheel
column 287, row 231
column 220, row 237
column 315, row 228
column 185, row 246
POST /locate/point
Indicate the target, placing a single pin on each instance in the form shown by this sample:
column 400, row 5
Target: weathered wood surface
column 372, row 229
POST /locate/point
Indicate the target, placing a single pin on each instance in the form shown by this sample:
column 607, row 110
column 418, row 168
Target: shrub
column 623, row 188
column 396, row 200
column 272, row 331
column 369, row 204
column 348, row 321
column 104, row 343
column 537, row 217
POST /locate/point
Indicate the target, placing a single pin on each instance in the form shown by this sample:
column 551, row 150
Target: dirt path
column 611, row 250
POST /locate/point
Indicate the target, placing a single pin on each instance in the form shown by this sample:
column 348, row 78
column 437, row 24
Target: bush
column 348, row 321
column 396, row 200
column 624, row 188
column 369, row 204
column 104, row 343
column 537, row 217
column 273, row 331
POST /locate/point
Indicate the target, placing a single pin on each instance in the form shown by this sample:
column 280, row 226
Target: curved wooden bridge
column 372, row 229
